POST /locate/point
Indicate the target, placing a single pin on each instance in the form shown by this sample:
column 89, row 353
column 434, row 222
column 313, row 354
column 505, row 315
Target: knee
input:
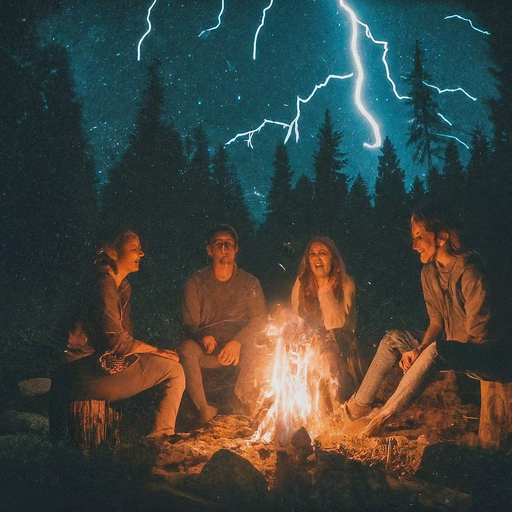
column 176, row 375
column 391, row 339
column 397, row 340
column 190, row 350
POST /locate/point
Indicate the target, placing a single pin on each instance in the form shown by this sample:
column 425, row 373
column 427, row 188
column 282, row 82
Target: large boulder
column 233, row 481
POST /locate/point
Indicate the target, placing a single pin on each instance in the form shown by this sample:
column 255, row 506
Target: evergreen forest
column 171, row 187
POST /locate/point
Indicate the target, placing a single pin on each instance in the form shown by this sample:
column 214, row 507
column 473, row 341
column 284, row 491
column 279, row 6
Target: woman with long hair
column 105, row 361
column 324, row 296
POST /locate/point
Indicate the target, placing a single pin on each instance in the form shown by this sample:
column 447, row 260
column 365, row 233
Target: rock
column 302, row 442
column 13, row 422
column 233, row 481
column 32, row 387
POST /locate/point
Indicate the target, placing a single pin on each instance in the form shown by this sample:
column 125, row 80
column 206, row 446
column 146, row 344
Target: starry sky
column 213, row 78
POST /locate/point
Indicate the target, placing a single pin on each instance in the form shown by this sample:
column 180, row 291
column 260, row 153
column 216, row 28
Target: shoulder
column 473, row 262
column 199, row 277
column 472, row 268
column 245, row 277
column 428, row 272
column 349, row 285
column 105, row 282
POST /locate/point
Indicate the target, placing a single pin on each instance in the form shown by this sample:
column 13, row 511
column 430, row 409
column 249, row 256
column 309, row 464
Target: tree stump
column 92, row 423
column 495, row 413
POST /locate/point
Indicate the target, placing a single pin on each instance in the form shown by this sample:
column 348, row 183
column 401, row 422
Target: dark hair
column 113, row 243
column 309, row 305
column 221, row 228
column 437, row 218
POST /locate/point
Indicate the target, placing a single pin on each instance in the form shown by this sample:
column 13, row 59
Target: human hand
column 408, row 359
column 209, row 343
column 230, row 353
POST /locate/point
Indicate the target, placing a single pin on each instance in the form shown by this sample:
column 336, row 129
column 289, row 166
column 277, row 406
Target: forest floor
column 428, row 459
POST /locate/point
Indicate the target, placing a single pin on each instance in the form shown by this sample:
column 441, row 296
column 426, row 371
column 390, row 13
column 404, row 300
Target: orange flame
column 295, row 389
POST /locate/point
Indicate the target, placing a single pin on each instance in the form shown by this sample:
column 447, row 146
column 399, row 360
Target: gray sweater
column 459, row 299
column 229, row 310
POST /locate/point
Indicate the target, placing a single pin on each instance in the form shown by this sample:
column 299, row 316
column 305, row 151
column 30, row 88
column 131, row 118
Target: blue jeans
column 391, row 348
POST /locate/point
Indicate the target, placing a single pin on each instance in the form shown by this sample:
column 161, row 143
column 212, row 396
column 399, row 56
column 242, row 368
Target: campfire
column 301, row 387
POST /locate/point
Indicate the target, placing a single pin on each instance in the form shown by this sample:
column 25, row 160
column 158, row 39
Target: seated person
column 224, row 315
column 460, row 335
column 324, row 295
column 106, row 361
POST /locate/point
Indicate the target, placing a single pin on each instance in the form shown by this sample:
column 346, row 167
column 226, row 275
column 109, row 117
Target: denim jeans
column 479, row 361
column 390, row 350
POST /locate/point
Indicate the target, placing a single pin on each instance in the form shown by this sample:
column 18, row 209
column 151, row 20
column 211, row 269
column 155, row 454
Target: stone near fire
column 302, row 442
column 233, row 481
column 37, row 386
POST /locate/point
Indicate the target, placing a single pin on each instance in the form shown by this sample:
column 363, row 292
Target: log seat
column 495, row 413
column 92, row 423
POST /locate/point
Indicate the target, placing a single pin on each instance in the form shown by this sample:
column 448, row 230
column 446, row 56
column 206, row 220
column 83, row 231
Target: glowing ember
column 300, row 386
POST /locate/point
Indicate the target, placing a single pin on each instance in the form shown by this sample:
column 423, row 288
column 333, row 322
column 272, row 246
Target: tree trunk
column 93, row 422
column 495, row 413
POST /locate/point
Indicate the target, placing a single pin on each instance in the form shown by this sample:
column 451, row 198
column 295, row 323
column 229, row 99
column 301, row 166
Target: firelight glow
column 297, row 377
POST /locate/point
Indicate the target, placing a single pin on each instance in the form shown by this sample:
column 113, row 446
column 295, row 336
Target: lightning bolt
column 259, row 28
column 455, row 138
column 208, row 30
column 360, row 77
column 251, row 133
column 444, row 119
column 470, row 22
column 441, row 91
column 384, row 59
column 148, row 19
column 294, row 125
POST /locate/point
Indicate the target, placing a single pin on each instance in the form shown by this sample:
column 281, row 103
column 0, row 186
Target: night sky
column 215, row 80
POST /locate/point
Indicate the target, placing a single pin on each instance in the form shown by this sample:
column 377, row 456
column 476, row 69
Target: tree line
column 170, row 188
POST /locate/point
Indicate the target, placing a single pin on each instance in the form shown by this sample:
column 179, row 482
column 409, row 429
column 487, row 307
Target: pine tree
column 425, row 123
column 434, row 183
column 390, row 195
column 303, row 206
column 359, row 229
column 145, row 189
column 228, row 198
column 199, row 207
column 417, row 193
column 479, row 189
column 278, row 217
column 454, row 178
column 331, row 185
column 391, row 266
column 275, row 235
